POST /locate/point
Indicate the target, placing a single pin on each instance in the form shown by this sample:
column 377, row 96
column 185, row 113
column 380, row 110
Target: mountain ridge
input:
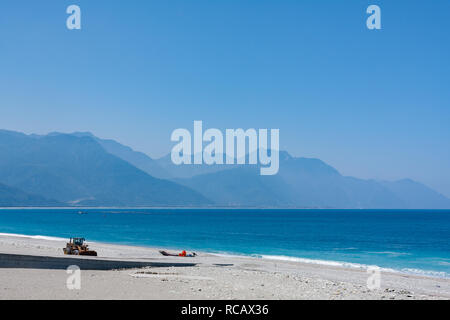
column 13, row 197
column 80, row 169
column 69, row 168
column 308, row 182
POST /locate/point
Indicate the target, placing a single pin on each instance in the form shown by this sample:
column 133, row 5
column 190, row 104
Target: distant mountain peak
column 285, row 156
column 83, row 134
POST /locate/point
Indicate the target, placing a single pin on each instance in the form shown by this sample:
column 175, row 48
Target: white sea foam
column 304, row 260
column 331, row 263
column 325, row 262
column 37, row 237
column 390, row 253
column 427, row 273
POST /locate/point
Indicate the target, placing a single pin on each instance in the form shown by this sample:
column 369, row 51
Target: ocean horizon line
column 220, row 208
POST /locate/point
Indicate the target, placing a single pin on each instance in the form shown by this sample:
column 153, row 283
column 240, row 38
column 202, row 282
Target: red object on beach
column 182, row 254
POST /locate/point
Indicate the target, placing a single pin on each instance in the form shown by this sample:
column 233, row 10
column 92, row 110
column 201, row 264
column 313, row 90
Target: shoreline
column 212, row 276
column 280, row 258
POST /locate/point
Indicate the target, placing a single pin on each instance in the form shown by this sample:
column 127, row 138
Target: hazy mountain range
column 80, row 169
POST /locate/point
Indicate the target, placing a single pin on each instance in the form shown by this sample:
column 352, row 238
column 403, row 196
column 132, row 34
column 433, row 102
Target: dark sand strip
column 84, row 263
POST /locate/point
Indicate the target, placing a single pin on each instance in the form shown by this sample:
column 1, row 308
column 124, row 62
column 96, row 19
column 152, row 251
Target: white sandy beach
column 209, row 277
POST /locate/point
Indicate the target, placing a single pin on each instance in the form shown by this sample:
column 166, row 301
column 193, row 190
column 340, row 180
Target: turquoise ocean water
column 408, row 241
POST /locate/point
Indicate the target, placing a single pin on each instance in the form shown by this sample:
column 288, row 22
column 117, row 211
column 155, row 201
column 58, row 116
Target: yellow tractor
column 77, row 247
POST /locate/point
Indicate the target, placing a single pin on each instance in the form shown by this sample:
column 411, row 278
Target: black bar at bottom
column 211, row 309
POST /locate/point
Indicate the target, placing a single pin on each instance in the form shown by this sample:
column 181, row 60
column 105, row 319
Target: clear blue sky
column 373, row 104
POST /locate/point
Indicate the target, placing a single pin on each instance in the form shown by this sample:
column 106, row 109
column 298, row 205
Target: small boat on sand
column 181, row 254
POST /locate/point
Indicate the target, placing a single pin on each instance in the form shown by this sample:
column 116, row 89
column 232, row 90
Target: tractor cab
column 77, row 241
